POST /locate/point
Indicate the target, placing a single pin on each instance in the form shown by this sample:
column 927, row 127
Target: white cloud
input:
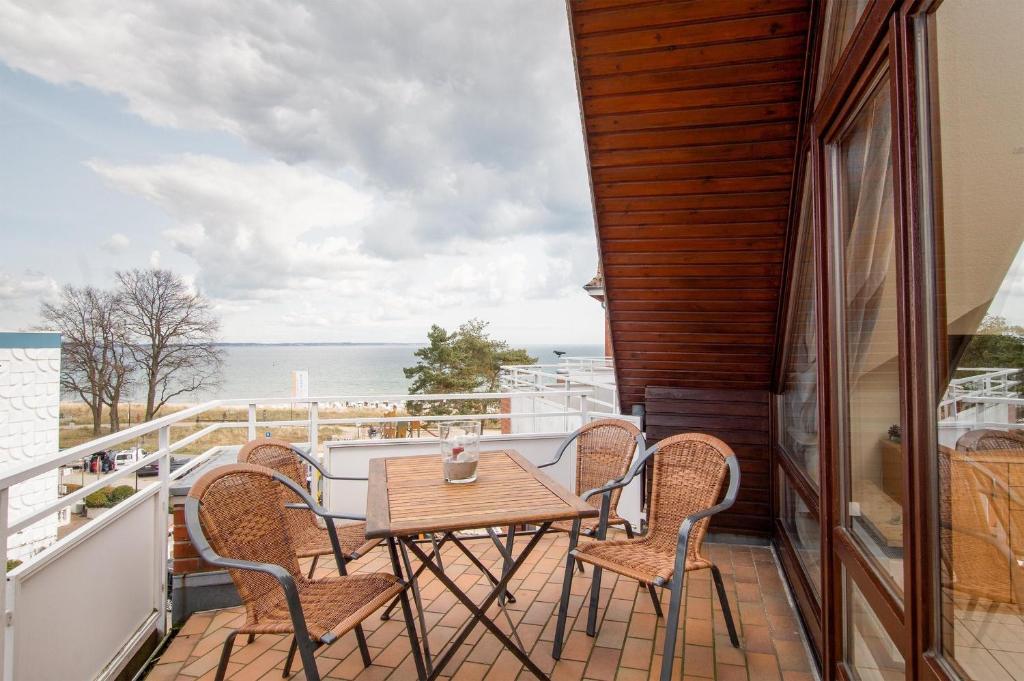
column 422, row 161
column 289, row 242
column 27, row 285
column 117, row 243
column 21, row 295
column 463, row 113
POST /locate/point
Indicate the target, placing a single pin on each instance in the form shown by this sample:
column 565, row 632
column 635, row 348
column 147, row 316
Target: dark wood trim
column 918, row 431
column 796, row 195
column 875, row 589
column 798, row 480
column 807, row 603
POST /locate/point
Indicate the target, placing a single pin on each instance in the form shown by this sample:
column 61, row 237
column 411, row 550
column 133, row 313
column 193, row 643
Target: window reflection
column 870, row 651
column 979, row 215
column 872, row 462
column 798, row 403
column 841, row 18
column 803, row 530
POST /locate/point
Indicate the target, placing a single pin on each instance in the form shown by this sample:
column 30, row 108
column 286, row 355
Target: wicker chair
column 235, row 516
column 604, row 450
column 310, row 539
column 985, row 440
column 689, row 472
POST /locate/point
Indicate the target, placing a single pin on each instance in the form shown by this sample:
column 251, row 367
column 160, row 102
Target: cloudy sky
column 338, row 171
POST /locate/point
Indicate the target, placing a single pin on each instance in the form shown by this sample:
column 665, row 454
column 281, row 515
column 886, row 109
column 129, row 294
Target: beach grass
column 76, row 425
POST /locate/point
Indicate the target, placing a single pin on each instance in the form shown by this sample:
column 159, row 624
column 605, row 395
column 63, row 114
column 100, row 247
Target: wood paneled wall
column 741, row 419
column 690, row 113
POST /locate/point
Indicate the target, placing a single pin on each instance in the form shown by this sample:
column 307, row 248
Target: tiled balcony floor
column 627, row 647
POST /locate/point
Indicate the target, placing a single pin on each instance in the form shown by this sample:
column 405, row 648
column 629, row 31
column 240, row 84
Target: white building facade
column 29, row 429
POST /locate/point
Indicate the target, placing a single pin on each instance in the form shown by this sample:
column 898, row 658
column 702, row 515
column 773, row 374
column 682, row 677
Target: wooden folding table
column 407, row 497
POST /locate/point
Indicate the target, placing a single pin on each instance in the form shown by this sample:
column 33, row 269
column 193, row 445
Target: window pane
column 872, row 455
column 979, row 228
column 870, row 652
column 798, row 403
column 803, row 531
column 841, row 18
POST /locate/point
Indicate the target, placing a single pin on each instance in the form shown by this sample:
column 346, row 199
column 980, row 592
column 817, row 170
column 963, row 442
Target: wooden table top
column 408, row 495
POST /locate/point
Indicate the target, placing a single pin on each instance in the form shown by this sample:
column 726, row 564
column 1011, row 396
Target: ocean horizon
column 264, row 370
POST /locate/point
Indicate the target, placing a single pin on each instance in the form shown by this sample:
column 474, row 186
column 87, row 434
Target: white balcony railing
column 85, row 605
column 984, row 398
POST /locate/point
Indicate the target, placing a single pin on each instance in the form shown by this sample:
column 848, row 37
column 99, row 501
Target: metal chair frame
column 641, row 445
column 301, row 641
column 675, row 585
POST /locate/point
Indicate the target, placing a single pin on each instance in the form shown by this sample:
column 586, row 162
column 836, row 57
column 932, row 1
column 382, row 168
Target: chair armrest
column 311, row 460
column 323, row 513
column 561, row 449
column 633, row 471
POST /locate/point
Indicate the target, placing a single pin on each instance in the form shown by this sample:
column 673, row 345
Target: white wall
column 29, row 428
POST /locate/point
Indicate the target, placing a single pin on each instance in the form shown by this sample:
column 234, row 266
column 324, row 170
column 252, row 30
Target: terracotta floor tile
column 611, row 635
column 730, row 672
column 602, row 665
column 626, row 674
column 471, row 671
column 763, row 667
column 699, row 661
column 627, row 647
column 642, row 625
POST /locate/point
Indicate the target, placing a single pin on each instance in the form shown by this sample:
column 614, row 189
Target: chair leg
column 672, row 626
column 225, row 655
column 579, row 566
column 364, row 651
column 595, row 596
column 252, row 637
column 309, row 667
column 629, row 530
column 654, row 599
column 291, row 658
column 312, row 567
column 563, row 603
column 726, row 611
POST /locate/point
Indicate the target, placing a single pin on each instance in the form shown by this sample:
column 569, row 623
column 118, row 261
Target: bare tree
column 120, row 360
column 173, row 333
column 82, row 318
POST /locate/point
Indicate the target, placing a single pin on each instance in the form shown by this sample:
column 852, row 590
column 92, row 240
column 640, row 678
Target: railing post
column 314, row 428
column 161, row 525
column 584, row 414
column 7, row 649
column 252, row 421
column 565, row 416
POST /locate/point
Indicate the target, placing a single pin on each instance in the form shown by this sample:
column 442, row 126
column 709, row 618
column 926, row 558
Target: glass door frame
column 885, row 38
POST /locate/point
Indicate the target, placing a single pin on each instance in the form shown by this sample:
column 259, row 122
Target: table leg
column 403, row 597
column 386, row 615
column 419, row 605
column 509, row 596
column 506, row 554
column 479, row 613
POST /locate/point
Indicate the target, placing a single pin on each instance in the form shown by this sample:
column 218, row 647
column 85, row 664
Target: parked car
column 152, row 469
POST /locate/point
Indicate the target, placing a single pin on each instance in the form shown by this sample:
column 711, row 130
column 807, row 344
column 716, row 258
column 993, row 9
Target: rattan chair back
column 604, row 450
column 689, row 473
column 242, row 514
column 280, row 456
column 986, row 440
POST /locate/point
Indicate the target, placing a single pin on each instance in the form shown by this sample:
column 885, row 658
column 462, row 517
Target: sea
column 265, row 370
